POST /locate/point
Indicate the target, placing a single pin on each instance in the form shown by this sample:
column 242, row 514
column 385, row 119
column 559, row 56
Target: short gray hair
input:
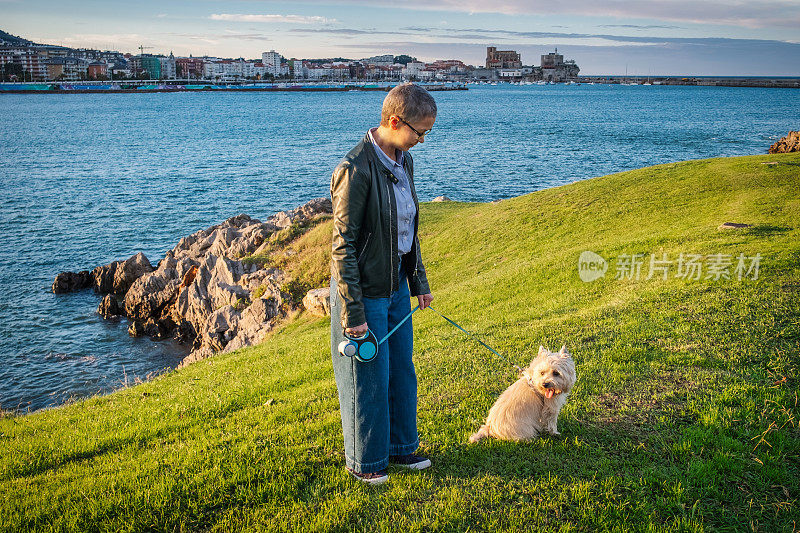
column 409, row 101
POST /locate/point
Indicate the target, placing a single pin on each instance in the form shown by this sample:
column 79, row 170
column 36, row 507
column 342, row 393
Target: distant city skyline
column 671, row 37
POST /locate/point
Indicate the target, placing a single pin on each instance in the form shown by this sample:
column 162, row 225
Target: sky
column 613, row 37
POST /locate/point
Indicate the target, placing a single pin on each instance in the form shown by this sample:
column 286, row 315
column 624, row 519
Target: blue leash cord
column 477, row 339
column 456, row 325
column 398, row 325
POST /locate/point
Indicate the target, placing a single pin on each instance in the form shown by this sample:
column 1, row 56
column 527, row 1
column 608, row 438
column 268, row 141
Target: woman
column 376, row 266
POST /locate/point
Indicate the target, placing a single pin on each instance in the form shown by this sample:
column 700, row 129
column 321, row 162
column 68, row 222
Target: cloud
column 81, row 39
column 345, row 31
column 488, row 36
column 640, row 26
column 290, row 19
column 245, row 36
column 750, row 14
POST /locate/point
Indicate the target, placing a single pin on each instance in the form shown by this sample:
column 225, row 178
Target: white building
column 384, row 60
column 340, row 70
column 299, row 69
column 168, row 67
column 258, row 69
column 511, row 73
column 413, row 68
column 318, row 72
column 34, row 65
column 272, row 61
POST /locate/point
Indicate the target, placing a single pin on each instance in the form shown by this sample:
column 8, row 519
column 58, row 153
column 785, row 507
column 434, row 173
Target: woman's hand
column 357, row 331
column 424, row 300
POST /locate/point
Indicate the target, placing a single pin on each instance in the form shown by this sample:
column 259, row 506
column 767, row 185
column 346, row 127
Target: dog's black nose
column 548, row 384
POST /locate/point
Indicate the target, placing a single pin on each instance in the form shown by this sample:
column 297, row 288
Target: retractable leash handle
column 365, row 348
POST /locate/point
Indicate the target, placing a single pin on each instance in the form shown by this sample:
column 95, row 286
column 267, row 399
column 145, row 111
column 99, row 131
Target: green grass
column 685, row 415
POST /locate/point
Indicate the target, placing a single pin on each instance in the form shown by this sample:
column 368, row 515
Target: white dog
column 531, row 404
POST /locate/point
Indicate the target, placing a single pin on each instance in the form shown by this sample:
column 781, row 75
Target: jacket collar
column 385, row 159
column 369, row 150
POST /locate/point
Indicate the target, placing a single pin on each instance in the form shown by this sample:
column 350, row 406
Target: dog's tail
column 482, row 433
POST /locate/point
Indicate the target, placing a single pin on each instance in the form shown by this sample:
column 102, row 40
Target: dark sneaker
column 371, row 478
column 414, row 462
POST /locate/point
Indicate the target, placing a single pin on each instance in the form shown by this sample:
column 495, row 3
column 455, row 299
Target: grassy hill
column 685, row 415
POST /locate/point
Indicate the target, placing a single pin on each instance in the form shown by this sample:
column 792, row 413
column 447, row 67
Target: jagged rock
column 223, row 319
column 234, row 238
column 188, row 278
column 72, row 281
column 129, row 271
column 317, row 206
column 109, row 307
column 152, row 329
column 193, row 304
column 196, row 355
column 256, row 321
column 790, row 143
column 441, row 199
column 201, row 292
column 118, row 276
column 317, row 301
column 222, row 293
column 103, row 277
column 136, row 329
column 220, row 328
column 251, row 239
column 226, row 270
column 149, row 294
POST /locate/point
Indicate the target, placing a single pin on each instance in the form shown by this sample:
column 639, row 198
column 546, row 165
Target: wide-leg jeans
column 377, row 399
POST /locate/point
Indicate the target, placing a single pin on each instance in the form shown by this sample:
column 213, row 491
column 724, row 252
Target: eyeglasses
column 419, row 135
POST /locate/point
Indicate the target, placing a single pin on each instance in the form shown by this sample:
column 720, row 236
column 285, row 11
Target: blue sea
column 92, row 178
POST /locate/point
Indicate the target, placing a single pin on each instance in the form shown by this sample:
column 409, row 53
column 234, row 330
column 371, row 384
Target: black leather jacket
column 364, row 260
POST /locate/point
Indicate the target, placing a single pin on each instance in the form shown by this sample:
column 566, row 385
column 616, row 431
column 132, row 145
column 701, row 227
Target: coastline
column 219, row 289
column 164, row 87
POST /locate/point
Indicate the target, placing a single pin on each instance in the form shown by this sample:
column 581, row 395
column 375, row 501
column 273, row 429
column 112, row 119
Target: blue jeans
column 378, row 399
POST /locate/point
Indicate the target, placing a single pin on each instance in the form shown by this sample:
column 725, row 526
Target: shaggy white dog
column 531, row 404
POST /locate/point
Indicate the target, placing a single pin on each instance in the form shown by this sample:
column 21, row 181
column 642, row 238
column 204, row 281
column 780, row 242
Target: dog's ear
column 542, row 350
column 563, row 352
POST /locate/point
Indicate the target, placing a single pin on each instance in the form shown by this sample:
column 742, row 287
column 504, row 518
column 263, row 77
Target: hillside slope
column 685, row 415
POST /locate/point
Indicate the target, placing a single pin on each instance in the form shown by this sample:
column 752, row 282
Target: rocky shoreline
column 211, row 290
column 790, row 143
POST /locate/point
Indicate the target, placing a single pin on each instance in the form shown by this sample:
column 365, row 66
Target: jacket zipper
column 416, row 259
column 364, row 249
column 391, row 244
column 416, row 222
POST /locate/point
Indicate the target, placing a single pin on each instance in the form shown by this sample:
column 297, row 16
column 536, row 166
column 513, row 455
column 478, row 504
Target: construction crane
column 141, row 54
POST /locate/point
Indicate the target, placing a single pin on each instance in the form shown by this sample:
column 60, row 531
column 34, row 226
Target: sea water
column 87, row 179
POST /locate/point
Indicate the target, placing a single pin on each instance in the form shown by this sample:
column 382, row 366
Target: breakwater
column 167, row 87
column 696, row 81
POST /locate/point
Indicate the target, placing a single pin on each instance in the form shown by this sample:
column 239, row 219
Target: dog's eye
column 542, row 372
column 555, row 373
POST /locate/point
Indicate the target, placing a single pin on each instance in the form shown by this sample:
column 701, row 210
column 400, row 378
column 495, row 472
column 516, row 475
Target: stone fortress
column 507, row 65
